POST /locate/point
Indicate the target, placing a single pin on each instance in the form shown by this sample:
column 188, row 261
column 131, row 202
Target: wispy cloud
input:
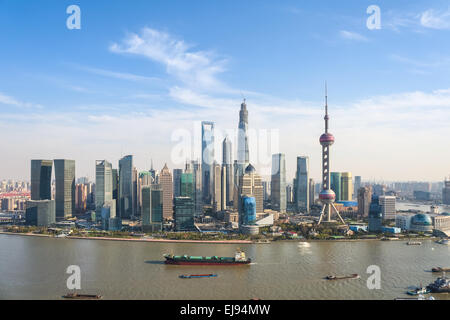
column 435, row 19
column 349, row 35
column 9, row 100
column 198, row 69
column 117, row 75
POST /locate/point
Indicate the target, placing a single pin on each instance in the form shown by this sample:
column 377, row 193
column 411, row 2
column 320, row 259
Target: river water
column 35, row 268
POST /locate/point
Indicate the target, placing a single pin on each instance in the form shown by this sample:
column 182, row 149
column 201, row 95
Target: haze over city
column 111, row 89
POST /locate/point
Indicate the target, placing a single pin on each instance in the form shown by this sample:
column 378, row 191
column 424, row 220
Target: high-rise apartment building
column 278, row 183
column 165, row 180
column 64, row 188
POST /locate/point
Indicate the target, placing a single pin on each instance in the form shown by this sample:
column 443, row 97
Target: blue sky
column 138, row 73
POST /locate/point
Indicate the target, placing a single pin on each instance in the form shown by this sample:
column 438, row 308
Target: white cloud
column 435, row 19
column 197, row 69
column 118, row 75
column 8, row 100
column 352, row 36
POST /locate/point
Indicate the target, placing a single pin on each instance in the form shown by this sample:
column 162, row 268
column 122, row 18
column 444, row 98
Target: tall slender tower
column 243, row 154
column 327, row 196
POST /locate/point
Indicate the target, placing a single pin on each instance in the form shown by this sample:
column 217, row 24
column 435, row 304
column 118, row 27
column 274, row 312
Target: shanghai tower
column 243, row 155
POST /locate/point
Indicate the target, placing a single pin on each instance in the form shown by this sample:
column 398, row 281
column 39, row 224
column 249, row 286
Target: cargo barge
column 79, row 296
column 333, row 277
column 191, row 276
column 239, row 259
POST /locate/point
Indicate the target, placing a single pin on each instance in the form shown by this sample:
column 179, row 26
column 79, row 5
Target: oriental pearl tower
column 327, row 196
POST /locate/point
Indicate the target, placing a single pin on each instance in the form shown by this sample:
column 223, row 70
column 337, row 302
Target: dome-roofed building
column 250, row 169
column 421, row 222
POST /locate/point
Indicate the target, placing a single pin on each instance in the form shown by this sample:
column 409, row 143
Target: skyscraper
column 217, row 187
column 165, row 180
column 327, row 196
column 312, row 193
column 301, row 186
column 446, row 192
column 364, row 199
column 187, row 187
column 336, row 184
column 177, row 182
column 184, row 214
column 198, row 197
column 346, row 186
column 227, row 162
column 247, row 212
column 243, row 154
column 103, row 184
column 243, row 151
column 126, row 187
column 278, row 183
column 64, row 188
column 388, row 209
column 356, row 186
column 375, row 215
column 250, row 184
column 207, row 159
column 152, row 208
column 41, row 179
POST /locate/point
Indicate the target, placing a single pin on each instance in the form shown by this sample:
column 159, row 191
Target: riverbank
column 215, row 241
column 132, row 239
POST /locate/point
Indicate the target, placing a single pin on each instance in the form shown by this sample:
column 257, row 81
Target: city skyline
column 151, row 76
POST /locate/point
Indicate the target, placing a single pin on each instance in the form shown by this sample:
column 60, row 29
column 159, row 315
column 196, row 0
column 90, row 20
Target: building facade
column 278, row 183
column 184, row 214
column 64, row 188
column 165, row 180
column 152, row 208
column 301, row 185
column 126, row 187
column 41, row 179
column 207, row 160
column 346, row 186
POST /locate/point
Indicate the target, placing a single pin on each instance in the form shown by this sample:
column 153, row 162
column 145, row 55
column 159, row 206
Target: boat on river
column 334, row 277
column 440, row 269
column 190, row 276
column 79, row 296
column 238, row 259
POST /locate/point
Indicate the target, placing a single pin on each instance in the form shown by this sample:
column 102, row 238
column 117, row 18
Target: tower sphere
column 327, row 196
column 326, row 139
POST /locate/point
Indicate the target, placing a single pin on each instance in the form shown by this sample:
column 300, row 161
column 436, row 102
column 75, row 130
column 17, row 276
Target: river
column 35, row 268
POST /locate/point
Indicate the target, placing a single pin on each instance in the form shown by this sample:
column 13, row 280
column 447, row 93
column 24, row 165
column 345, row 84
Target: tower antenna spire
column 326, row 108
